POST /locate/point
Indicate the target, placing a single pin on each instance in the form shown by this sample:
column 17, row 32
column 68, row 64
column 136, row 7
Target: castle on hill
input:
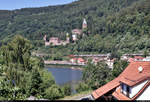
column 55, row 41
column 78, row 32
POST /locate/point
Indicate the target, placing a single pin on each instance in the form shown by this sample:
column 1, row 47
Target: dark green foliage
column 53, row 92
column 82, row 86
column 96, row 75
column 118, row 67
column 33, row 23
column 123, row 25
column 36, row 81
column 124, row 32
column 22, row 75
column 17, row 51
column 67, row 89
column 145, row 53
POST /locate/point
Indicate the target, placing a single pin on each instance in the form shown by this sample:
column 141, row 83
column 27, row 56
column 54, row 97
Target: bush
column 53, row 92
column 82, row 87
column 67, row 89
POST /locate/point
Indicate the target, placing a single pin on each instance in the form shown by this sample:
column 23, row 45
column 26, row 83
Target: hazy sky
column 17, row 4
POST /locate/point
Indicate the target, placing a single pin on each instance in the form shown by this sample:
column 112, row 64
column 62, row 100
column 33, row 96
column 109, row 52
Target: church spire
column 84, row 25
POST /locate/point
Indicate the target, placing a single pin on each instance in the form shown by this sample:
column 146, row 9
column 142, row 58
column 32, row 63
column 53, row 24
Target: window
column 128, row 91
column 125, row 89
column 122, row 88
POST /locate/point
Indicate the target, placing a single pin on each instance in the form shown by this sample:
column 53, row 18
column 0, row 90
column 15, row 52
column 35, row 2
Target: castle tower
column 84, row 25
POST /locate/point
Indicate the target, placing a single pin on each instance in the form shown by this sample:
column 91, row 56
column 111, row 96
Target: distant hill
column 127, row 31
column 33, row 23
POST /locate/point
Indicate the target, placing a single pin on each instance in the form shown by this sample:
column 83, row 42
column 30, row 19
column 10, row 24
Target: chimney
column 140, row 69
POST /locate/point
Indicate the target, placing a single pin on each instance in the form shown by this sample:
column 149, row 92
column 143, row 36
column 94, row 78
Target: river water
column 65, row 75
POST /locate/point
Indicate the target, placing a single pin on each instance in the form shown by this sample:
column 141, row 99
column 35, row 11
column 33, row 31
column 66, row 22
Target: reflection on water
column 66, row 75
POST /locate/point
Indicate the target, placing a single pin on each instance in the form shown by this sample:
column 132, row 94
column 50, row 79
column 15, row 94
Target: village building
column 55, row 41
column 138, row 58
column 132, row 84
column 76, row 31
column 147, row 58
column 110, row 63
column 127, row 56
column 80, row 61
column 73, row 60
column 84, row 24
column 77, row 60
column 79, row 32
column 135, row 58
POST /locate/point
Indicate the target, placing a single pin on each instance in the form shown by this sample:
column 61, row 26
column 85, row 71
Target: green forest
column 114, row 26
column 23, row 75
column 121, row 26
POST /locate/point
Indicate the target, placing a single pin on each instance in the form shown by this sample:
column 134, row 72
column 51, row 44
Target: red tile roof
column 106, row 88
column 71, row 56
column 131, row 60
column 138, row 57
column 130, row 76
column 81, row 60
column 74, row 58
column 119, row 95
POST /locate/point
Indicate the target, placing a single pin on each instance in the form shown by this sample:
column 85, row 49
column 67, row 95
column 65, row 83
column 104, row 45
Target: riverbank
column 64, row 66
column 63, row 63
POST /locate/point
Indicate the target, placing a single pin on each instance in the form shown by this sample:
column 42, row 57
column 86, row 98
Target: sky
column 17, row 4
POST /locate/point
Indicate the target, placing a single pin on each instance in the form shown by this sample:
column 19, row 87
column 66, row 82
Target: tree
column 67, row 89
column 47, row 81
column 96, row 75
column 82, row 86
column 23, row 74
column 145, row 53
column 35, row 83
column 119, row 66
column 53, row 92
column 17, row 51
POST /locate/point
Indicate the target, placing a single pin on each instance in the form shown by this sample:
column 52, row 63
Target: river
column 66, row 75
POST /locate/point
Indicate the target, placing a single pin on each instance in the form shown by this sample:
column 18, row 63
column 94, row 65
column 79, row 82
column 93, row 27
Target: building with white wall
column 132, row 84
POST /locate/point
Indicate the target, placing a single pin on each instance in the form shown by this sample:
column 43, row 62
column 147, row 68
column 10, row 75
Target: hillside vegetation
column 127, row 31
column 114, row 25
column 55, row 20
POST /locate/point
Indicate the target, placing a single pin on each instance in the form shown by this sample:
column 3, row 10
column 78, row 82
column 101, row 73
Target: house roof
column 81, row 60
column 131, row 60
column 130, row 76
column 138, row 57
column 54, row 38
column 106, row 88
column 118, row 94
column 71, row 56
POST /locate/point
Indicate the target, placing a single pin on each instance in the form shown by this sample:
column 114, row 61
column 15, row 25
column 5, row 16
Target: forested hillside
column 57, row 20
column 127, row 31
column 120, row 26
